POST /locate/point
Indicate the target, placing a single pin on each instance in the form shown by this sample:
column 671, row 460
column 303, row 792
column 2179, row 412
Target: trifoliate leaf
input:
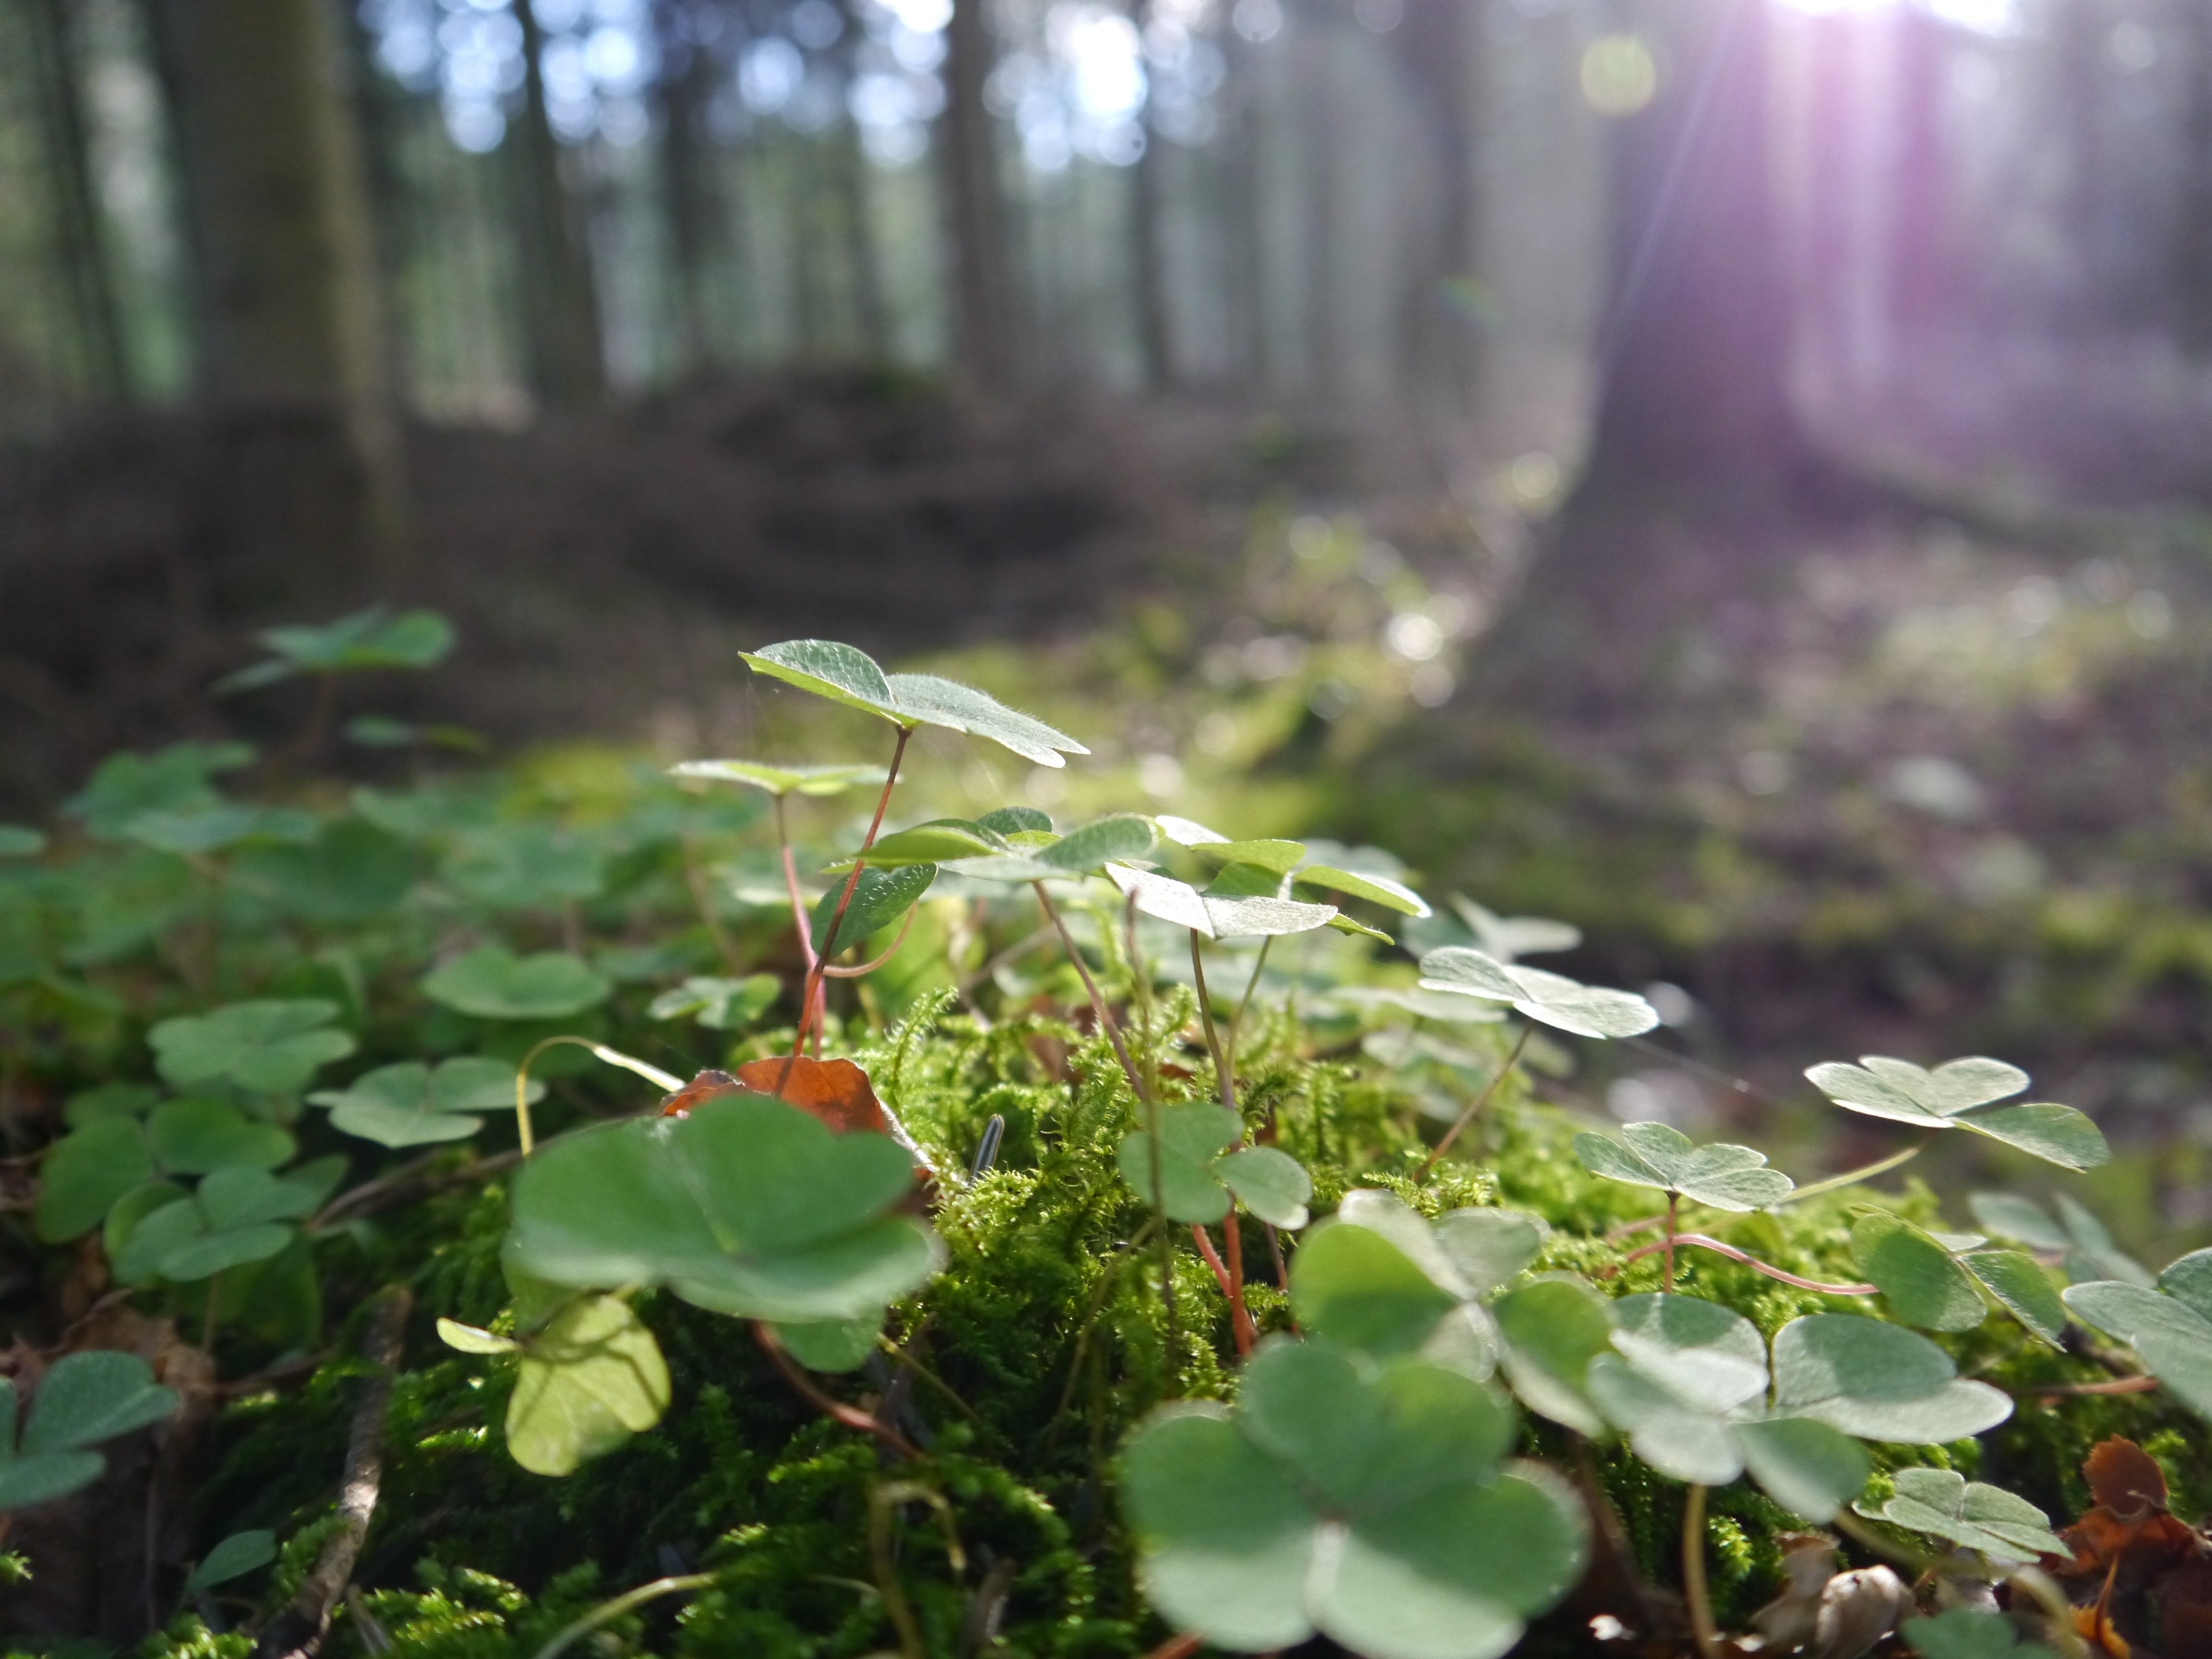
column 86, row 1172
column 1376, row 889
column 1945, row 1504
column 588, row 1381
column 1193, row 1134
column 782, row 780
column 1878, row 1381
column 1923, row 1283
column 1724, row 1176
column 410, row 1104
column 1948, row 1098
column 270, row 1047
column 2023, row 1288
column 1017, row 821
column 351, row 872
column 369, row 639
column 86, row 1398
column 492, row 982
column 2172, row 1336
column 1588, row 1010
column 196, row 1137
column 717, row 1003
column 853, row 678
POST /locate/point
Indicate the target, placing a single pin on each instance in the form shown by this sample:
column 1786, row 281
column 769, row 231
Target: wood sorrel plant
column 1343, row 1370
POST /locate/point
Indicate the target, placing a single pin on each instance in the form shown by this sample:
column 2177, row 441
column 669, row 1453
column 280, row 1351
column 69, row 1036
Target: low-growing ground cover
column 718, row 1213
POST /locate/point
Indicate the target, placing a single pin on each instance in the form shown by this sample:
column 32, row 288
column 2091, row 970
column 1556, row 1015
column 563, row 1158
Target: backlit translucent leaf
column 1191, row 1136
column 89, row 1397
column 1923, row 1283
column 270, row 1047
column 492, row 982
column 1278, row 857
column 746, row 1205
column 1084, row 848
column 2173, row 1339
column 1184, row 832
column 926, row 699
column 2023, row 1288
column 1017, row 821
column 1552, row 1330
column 1725, row 1176
column 831, row 1345
column 194, row 1137
column 1883, row 1087
column 1553, row 998
column 938, row 841
column 2057, row 1134
column 782, row 780
column 879, row 898
column 1179, row 902
column 85, row 1173
column 588, row 1381
column 467, row 1338
column 1878, row 1381
column 839, row 672
column 1269, row 1182
column 1976, row 1516
column 1376, row 889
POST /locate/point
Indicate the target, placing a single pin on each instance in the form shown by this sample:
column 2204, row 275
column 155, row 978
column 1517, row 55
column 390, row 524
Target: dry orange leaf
column 835, row 1092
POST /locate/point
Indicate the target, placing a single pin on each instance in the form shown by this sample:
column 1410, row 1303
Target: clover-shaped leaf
column 1976, row 1516
column 590, row 1380
column 744, row 1206
column 2170, row 1328
column 126, row 786
column 373, row 638
column 492, row 982
column 719, row 1004
column 782, row 780
column 1969, row 1633
column 86, row 1398
column 191, row 831
column 412, row 1104
column 1080, row 852
column 2088, row 1246
column 1960, row 1094
column 879, row 898
column 269, row 1047
column 1508, row 939
column 199, row 1137
column 523, row 866
column 1367, row 1502
column 1216, row 916
column 940, row 841
column 1924, row 1283
column 1687, row 1383
column 1200, row 1176
column 86, row 1172
column 844, row 674
column 351, row 870
column 236, row 1215
column 1878, row 1381
column 1590, row 1011
column 1723, row 1177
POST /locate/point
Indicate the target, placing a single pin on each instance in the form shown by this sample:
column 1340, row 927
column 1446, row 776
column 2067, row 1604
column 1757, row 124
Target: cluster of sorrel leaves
column 1361, row 1485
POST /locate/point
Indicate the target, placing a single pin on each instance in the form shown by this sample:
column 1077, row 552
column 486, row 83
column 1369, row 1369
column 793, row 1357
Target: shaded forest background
column 1767, row 441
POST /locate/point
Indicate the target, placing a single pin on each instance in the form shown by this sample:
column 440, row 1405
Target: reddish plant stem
column 1748, row 1261
column 850, row 1416
column 1233, row 1245
column 2118, row 1385
column 1176, row 1647
column 807, row 1002
column 1232, row 1280
column 1673, row 1200
column 797, row 906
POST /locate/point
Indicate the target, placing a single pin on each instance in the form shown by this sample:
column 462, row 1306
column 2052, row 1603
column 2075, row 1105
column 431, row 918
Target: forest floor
column 1933, row 782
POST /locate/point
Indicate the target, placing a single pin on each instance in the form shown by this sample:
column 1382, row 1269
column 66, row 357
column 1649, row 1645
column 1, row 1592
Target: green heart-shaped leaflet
column 492, row 982
column 236, row 1215
column 1954, row 1095
column 1879, row 1382
column 844, row 674
column 1378, row 1278
column 197, row 1137
column 1199, row 1174
column 590, row 1380
column 1923, row 1283
column 745, row 1206
column 879, row 898
column 1081, row 851
column 1724, row 1176
column 523, row 866
column 718, row 1003
column 411, row 1104
column 1216, row 916
column 1968, row 1513
column 1368, row 1502
column 86, row 1172
column 268, row 1046
column 1553, row 999
column 351, row 872
column 85, row 1398
column 2170, row 1326
column 780, row 780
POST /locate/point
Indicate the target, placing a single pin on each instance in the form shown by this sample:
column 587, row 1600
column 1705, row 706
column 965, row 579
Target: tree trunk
column 1147, row 253
column 2192, row 250
column 984, row 327
column 553, row 253
column 1919, row 240
column 81, row 244
column 1436, row 350
column 1694, row 400
column 856, row 228
column 688, row 192
column 290, row 347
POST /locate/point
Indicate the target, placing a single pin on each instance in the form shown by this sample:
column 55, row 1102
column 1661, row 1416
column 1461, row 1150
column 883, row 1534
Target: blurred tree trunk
column 687, row 182
column 1323, row 133
column 290, row 324
column 856, row 224
column 2080, row 62
column 1245, row 213
column 1435, row 350
column 983, row 324
column 1694, row 401
column 2192, row 249
column 553, row 250
column 1919, row 229
column 82, row 243
column 1147, row 252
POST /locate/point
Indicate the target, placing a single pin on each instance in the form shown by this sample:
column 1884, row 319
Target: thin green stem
column 1140, row 985
column 1212, row 1040
column 1694, row 1589
column 1474, row 1109
column 1090, row 984
column 806, row 1009
column 1237, row 1019
column 1674, row 1239
column 570, row 1634
column 1852, row 1177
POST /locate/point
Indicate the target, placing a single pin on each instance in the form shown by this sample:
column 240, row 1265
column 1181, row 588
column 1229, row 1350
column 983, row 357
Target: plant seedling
column 588, row 1381
column 1960, row 1094
column 86, row 1398
column 268, row 1046
column 235, row 1216
column 1968, row 1513
column 1721, row 1176
column 370, row 639
column 851, row 677
column 1199, row 1176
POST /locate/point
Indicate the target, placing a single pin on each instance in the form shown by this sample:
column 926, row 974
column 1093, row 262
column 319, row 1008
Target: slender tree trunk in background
column 1247, row 218
column 688, row 192
column 1694, row 400
column 984, row 326
column 856, row 225
column 560, row 296
column 1147, row 250
column 2079, row 60
column 1824, row 239
column 1322, row 133
column 1919, row 240
column 1436, row 350
column 291, row 348
column 82, row 243
column 2192, row 225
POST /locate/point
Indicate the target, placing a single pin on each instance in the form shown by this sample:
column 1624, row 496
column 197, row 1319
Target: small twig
column 1480, row 1101
column 570, row 1634
column 409, row 1183
column 861, row 969
column 850, row 1416
column 297, row 1631
column 1694, row 1590
column 1748, row 1260
column 2118, row 1385
column 1176, row 1647
column 1852, row 1177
